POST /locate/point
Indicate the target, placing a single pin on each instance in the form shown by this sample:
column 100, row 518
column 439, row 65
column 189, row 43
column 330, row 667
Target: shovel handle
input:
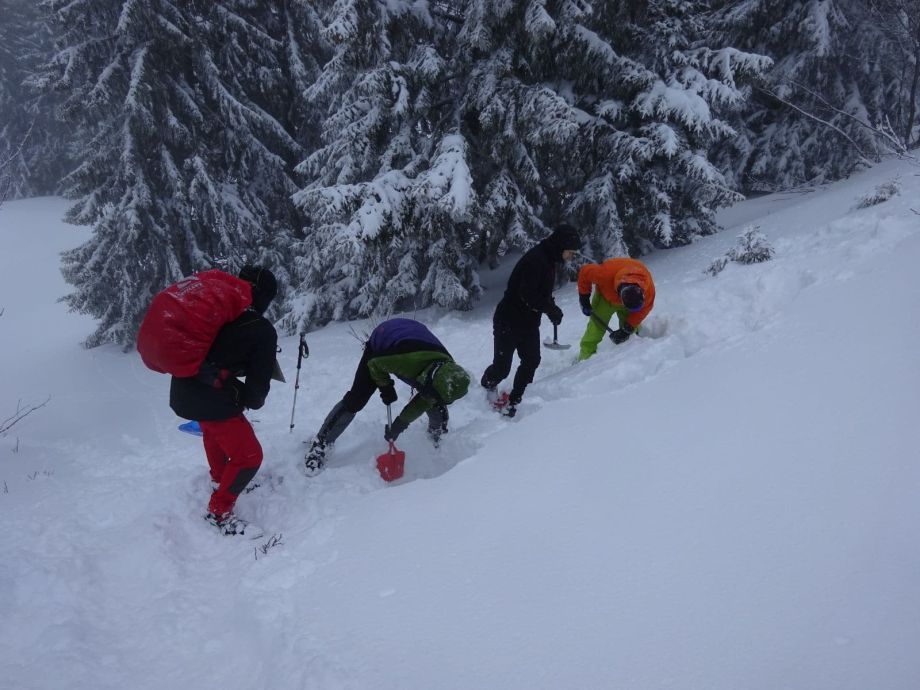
column 389, row 425
column 600, row 321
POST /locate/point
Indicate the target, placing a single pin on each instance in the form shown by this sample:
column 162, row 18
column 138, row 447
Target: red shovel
column 391, row 464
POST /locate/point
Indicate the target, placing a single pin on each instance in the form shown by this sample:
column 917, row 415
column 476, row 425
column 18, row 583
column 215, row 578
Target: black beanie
column 632, row 296
column 264, row 286
column 564, row 236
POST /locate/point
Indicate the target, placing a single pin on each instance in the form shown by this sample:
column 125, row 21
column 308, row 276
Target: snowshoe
column 230, row 525
column 503, row 403
column 315, row 459
column 498, row 401
column 435, row 434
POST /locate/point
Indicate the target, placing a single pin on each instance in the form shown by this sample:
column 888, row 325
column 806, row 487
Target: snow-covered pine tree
column 389, row 192
column 893, row 42
column 506, row 118
column 186, row 157
column 32, row 143
column 600, row 112
column 665, row 107
column 255, row 63
column 523, row 119
column 842, row 80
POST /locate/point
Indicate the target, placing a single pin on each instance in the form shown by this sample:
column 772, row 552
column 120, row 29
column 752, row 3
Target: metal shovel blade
column 556, row 345
column 391, row 464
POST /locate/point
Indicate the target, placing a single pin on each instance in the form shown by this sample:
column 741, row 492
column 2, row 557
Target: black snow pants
column 525, row 340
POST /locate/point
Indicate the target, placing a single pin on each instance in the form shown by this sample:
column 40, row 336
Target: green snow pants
column 594, row 332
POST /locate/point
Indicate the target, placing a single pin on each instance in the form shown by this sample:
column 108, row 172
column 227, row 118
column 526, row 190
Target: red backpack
column 183, row 320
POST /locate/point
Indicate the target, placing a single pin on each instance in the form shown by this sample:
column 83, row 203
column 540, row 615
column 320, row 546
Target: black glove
column 585, row 302
column 388, row 394
column 555, row 314
column 212, row 375
column 621, row 335
column 391, row 433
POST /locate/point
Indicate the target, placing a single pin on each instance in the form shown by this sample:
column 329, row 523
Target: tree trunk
column 912, row 105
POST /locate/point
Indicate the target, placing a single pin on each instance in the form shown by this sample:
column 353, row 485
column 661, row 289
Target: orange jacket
column 608, row 277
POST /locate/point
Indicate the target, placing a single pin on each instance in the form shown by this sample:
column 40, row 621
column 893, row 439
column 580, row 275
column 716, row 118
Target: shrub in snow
column 717, row 266
column 881, row 193
column 752, row 248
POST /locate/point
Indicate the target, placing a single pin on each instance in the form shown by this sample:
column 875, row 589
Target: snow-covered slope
column 731, row 502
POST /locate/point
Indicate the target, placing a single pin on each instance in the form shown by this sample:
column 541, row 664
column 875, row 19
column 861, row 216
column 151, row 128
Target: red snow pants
column 234, row 455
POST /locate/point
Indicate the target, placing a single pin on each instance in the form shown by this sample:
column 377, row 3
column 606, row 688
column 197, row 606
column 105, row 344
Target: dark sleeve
column 260, row 366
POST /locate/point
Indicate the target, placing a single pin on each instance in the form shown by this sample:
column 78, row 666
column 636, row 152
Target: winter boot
column 230, row 525
column 315, row 460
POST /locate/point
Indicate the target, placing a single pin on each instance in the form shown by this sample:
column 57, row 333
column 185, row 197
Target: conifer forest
column 379, row 155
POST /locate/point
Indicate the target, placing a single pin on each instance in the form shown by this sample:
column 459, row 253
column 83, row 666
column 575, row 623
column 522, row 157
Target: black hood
column 563, row 237
column 264, row 286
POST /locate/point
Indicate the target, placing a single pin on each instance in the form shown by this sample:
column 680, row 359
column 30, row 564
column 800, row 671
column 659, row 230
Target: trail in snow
column 727, row 501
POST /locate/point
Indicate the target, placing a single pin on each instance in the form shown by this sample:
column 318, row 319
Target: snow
column 729, row 502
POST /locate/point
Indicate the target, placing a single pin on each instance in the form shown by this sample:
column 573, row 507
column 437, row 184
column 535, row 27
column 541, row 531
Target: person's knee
column 251, row 455
column 531, row 361
column 354, row 402
column 498, row 371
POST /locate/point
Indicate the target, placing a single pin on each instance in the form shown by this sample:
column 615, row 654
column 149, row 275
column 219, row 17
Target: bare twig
column 814, row 117
column 20, row 414
column 273, row 541
column 5, row 182
column 885, row 133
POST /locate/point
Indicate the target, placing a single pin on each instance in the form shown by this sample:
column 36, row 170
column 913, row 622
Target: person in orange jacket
column 623, row 287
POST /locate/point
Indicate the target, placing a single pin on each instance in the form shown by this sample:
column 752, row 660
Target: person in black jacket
column 516, row 323
column 216, row 398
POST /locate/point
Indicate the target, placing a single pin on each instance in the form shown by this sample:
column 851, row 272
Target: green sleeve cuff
column 412, row 411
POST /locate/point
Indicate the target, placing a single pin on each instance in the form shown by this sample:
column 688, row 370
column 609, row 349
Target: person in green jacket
column 406, row 349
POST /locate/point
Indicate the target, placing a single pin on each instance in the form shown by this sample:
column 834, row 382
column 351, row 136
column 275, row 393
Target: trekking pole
column 302, row 352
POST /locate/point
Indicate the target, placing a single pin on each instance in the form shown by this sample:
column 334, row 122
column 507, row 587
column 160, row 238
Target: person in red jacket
column 216, row 398
column 622, row 286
